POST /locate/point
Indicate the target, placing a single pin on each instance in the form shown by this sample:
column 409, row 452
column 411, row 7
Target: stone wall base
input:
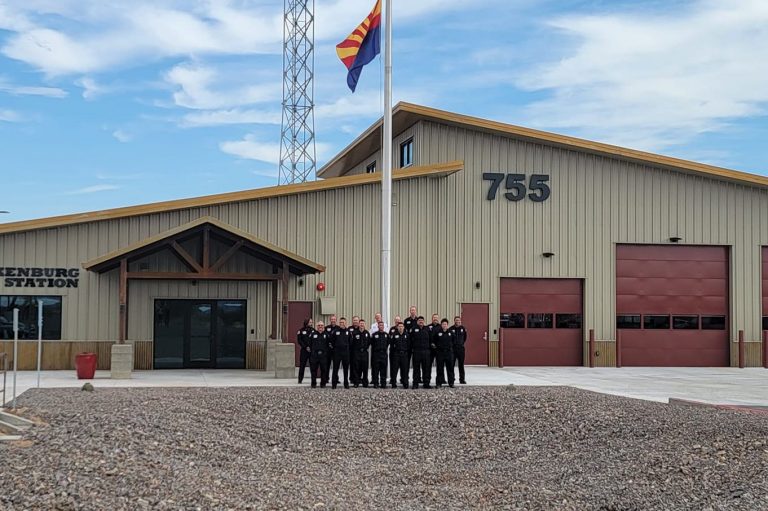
column 122, row 361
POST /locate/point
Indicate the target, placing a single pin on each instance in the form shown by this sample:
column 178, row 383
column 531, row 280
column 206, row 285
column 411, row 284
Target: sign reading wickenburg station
column 39, row 277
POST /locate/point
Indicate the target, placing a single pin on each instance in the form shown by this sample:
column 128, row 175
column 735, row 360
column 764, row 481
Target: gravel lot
column 297, row 448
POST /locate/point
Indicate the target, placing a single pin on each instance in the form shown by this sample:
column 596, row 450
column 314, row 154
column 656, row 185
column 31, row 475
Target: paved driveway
column 711, row 385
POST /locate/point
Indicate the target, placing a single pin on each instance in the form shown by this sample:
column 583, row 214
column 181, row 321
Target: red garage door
column 541, row 322
column 672, row 305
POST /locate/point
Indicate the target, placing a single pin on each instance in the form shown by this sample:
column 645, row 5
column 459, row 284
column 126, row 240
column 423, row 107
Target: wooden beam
column 284, row 326
column 206, row 247
column 227, row 256
column 275, row 317
column 158, row 275
column 123, row 301
column 186, row 257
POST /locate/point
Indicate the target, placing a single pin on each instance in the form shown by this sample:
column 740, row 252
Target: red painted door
column 765, row 288
column 672, row 305
column 541, row 321
column 474, row 317
column 297, row 313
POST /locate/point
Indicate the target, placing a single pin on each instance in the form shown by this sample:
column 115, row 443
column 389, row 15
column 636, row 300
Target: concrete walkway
column 711, row 385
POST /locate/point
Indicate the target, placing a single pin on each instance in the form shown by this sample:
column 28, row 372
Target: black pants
column 394, row 365
column 402, row 363
column 379, row 369
column 330, row 358
column 303, row 361
column 445, row 363
column 318, row 363
column 360, row 368
column 422, row 368
column 340, row 359
column 458, row 355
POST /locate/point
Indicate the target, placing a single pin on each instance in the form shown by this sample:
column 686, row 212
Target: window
column 371, row 168
column 512, row 320
column 685, row 322
column 27, row 306
column 539, row 320
column 628, row 321
column 568, row 321
column 406, row 153
column 716, row 323
column 655, row 322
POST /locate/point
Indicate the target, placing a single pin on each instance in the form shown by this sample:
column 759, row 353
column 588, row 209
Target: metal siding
column 596, row 202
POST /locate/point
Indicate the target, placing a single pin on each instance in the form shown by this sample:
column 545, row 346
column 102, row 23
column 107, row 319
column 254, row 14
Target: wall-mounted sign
column 40, row 277
column 517, row 186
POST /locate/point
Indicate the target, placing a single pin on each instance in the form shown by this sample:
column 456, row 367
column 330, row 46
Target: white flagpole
column 386, row 176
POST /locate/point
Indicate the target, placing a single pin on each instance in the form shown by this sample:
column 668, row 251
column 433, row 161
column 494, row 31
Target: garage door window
column 512, row 320
column 568, row 320
column 654, row 322
column 540, row 320
column 628, row 321
column 714, row 322
column 685, row 322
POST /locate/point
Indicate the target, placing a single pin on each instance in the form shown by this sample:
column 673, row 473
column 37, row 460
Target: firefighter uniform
column 392, row 359
column 459, row 340
column 331, row 331
column 433, row 328
column 420, row 348
column 361, row 340
column 443, row 340
column 341, row 349
column 379, row 345
column 410, row 323
column 318, row 359
column 302, row 339
column 400, row 346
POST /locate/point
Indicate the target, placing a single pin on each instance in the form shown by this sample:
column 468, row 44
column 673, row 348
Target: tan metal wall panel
column 399, row 139
column 596, row 203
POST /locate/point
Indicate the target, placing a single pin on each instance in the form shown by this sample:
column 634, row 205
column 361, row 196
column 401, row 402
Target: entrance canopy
column 193, row 245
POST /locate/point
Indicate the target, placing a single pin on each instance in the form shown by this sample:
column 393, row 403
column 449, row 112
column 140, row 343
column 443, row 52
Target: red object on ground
column 85, row 364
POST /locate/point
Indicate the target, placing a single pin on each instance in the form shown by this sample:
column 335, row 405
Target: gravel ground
column 297, row 448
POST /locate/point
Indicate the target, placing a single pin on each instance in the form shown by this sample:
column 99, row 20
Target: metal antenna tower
column 297, row 140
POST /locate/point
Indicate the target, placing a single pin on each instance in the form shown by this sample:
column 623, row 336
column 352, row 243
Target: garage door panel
column 548, row 346
column 671, row 280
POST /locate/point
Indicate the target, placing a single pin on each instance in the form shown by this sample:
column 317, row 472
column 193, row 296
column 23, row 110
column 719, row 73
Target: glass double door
column 200, row 334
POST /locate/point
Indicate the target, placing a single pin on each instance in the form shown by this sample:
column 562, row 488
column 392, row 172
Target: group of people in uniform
column 328, row 348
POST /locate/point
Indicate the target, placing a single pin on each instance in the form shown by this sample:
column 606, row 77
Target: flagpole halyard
column 386, row 175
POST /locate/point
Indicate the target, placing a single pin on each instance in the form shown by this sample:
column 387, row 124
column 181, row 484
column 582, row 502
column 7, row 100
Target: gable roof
column 439, row 170
column 406, row 115
column 298, row 264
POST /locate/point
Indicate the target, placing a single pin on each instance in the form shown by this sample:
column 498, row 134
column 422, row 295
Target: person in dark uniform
column 302, row 339
column 443, row 340
column 393, row 354
column 459, row 340
column 379, row 345
column 400, row 344
column 330, row 330
column 361, row 340
column 433, row 328
column 412, row 320
column 341, row 349
column 318, row 363
column 420, row 345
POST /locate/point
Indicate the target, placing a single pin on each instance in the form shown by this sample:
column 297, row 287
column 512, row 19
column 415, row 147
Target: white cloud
column 655, row 81
column 122, row 136
column 93, row 189
column 251, row 149
column 10, row 116
column 202, row 87
column 231, row 116
column 91, row 89
column 22, row 90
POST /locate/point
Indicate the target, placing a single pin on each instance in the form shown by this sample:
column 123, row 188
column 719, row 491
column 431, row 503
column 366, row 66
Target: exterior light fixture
column 477, row 285
column 300, row 282
column 548, row 254
column 675, row 239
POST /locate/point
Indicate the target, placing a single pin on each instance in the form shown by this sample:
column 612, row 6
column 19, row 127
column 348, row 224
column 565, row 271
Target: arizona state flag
column 361, row 46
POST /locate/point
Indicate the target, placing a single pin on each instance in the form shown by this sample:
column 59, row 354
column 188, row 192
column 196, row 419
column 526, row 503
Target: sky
column 108, row 103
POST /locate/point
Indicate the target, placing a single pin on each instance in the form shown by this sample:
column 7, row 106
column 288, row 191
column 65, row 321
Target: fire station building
column 535, row 239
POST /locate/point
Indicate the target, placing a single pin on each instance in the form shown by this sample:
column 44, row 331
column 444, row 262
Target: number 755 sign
column 516, row 186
